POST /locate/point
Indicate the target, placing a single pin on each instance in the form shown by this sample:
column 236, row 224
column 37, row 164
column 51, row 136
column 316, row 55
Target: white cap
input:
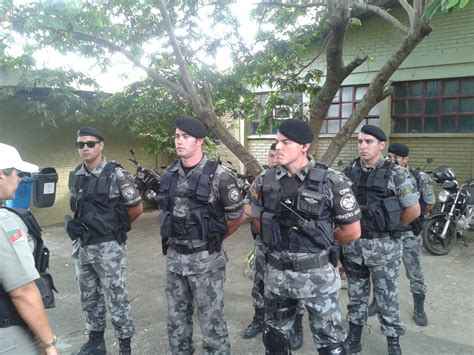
column 10, row 158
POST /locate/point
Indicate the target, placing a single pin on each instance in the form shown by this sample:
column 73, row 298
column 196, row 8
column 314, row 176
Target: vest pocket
column 271, row 234
column 165, row 223
column 393, row 213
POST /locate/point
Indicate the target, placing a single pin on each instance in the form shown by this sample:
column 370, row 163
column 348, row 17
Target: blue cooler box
column 22, row 194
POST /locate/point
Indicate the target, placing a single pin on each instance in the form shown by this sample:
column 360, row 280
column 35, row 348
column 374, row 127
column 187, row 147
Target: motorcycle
column 147, row 181
column 442, row 228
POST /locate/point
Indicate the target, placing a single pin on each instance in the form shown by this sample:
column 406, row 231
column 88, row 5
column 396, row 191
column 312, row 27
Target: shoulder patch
column 15, row 235
column 348, row 202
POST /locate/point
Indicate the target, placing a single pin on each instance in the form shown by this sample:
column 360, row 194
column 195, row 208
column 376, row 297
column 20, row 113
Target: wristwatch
column 50, row 344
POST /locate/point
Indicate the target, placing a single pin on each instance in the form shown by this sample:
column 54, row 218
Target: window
column 433, row 106
column 344, row 102
column 288, row 105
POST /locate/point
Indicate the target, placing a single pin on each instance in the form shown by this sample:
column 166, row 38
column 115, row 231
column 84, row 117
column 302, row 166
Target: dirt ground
column 449, row 303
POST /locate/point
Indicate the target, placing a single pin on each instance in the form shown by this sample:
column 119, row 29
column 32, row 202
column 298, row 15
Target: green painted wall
column 47, row 146
column 447, row 52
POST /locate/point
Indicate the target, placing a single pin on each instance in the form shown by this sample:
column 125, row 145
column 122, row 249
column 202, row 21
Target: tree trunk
column 373, row 94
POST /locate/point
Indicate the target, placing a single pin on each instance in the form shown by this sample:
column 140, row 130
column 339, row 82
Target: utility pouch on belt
column 334, row 254
column 215, row 243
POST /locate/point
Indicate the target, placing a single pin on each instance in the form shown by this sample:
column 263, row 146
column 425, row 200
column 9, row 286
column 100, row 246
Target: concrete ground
column 449, row 302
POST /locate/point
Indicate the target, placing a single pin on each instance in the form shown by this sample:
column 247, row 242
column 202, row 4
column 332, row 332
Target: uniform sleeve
column 426, row 189
column 126, row 188
column 229, row 195
column 17, row 265
column 405, row 186
column 344, row 203
column 255, row 198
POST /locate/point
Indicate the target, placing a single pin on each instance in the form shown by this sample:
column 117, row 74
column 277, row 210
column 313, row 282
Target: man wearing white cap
column 24, row 326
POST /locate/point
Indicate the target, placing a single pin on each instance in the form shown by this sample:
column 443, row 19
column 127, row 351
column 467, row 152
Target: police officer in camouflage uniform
column 105, row 202
column 295, row 207
column 411, row 238
column 387, row 196
column 200, row 204
column 258, row 322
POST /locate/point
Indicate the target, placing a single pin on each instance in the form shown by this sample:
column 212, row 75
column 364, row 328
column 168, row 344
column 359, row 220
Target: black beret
column 374, row 131
column 192, row 126
column 273, row 146
column 296, row 130
column 398, row 149
column 90, row 131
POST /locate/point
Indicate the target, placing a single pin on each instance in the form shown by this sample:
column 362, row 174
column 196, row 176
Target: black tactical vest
column 381, row 210
column 9, row 316
column 307, row 201
column 106, row 218
column 203, row 219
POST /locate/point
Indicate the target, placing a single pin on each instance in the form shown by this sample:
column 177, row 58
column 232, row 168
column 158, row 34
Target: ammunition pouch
column 215, row 243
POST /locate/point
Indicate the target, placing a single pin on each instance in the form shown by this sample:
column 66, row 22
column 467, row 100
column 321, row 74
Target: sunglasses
column 90, row 144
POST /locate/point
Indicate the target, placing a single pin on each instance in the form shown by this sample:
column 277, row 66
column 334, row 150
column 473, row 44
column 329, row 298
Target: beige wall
column 54, row 147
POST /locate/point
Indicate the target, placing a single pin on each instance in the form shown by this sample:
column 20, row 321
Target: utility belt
column 186, row 250
column 314, row 262
column 76, row 229
column 375, row 235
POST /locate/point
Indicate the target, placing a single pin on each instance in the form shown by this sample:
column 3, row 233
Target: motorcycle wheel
column 430, row 236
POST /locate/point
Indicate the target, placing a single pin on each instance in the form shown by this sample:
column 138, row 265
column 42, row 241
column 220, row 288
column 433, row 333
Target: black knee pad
column 276, row 342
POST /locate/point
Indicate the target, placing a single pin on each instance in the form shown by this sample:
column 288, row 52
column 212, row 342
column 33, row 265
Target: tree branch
column 382, row 13
column 354, row 64
column 296, row 6
column 303, row 67
column 159, row 79
column 188, row 83
column 408, row 9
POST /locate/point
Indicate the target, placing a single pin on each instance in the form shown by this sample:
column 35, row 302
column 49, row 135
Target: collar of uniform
column 97, row 170
column 179, row 167
column 377, row 165
column 301, row 174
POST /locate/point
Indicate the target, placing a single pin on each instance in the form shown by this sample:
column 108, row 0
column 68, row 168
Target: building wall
column 448, row 52
column 54, row 147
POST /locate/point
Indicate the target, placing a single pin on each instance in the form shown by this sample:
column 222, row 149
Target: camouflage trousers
column 259, row 273
column 109, row 277
column 412, row 262
column 258, row 299
column 317, row 290
column 206, row 291
column 377, row 259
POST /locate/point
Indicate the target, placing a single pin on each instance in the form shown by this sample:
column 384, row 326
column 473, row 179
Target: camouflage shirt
column 372, row 251
column 126, row 190
column 225, row 190
column 425, row 188
column 344, row 209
